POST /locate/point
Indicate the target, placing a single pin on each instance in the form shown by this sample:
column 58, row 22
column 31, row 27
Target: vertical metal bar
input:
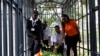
column 70, row 11
column 20, row 28
column 16, row 34
column 82, row 25
column 78, row 24
column 87, row 27
column 92, row 28
column 27, row 9
column 22, row 47
column 24, row 31
column 62, row 9
column 72, row 6
column 4, row 28
column 10, row 30
column 0, row 32
column 40, row 13
column 45, row 16
column 27, row 16
column 75, row 10
column 21, row 36
column 99, row 22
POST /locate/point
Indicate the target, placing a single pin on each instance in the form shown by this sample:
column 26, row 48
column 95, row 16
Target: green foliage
column 49, row 6
column 48, row 53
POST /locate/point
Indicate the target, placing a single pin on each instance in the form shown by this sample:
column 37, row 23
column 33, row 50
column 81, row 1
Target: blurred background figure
column 58, row 41
column 46, row 35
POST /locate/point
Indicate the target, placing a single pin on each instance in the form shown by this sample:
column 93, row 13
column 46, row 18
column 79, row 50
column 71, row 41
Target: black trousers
column 46, row 43
column 71, row 42
column 60, row 49
column 35, row 48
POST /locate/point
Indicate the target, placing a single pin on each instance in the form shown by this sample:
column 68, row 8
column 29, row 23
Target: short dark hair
column 57, row 26
column 35, row 12
column 65, row 15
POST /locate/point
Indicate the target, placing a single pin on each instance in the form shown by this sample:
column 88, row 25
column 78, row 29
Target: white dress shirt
column 56, row 38
column 47, row 33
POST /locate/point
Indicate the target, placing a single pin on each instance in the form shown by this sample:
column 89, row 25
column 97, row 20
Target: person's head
column 57, row 29
column 44, row 24
column 65, row 17
column 35, row 14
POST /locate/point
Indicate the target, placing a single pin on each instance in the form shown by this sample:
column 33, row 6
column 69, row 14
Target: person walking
column 34, row 31
column 71, row 33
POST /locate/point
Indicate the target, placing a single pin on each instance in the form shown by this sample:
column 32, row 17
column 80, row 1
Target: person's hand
column 54, row 49
column 60, row 43
column 49, row 43
column 79, row 41
column 79, row 38
column 41, row 41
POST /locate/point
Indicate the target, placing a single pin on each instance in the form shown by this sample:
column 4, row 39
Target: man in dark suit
column 34, row 30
